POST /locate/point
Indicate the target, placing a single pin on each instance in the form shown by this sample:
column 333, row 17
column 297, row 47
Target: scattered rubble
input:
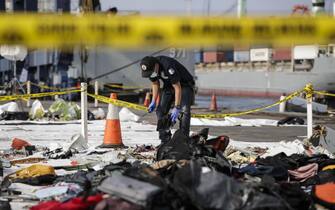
column 196, row 172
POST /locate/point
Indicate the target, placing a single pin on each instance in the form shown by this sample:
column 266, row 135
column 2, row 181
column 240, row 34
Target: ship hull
column 265, row 83
column 122, row 66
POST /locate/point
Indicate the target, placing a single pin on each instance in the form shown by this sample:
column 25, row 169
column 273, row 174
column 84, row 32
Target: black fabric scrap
column 37, row 181
column 4, row 205
column 280, row 159
column 146, row 174
column 206, row 191
column 177, row 148
column 291, row 121
column 321, row 178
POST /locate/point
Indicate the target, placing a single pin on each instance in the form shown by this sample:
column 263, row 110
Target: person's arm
column 177, row 94
column 155, row 90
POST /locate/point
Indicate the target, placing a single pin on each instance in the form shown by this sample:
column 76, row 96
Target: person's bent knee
column 186, row 109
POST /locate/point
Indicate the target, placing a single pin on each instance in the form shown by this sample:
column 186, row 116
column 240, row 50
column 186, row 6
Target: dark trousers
column 166, row 100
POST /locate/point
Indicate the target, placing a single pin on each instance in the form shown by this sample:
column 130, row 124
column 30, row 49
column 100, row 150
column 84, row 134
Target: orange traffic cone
column 112, row 137
column 147, row 100
column 214, row 106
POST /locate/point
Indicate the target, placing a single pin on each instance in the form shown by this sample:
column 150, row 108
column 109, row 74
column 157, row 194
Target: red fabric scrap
column 18, row 144
column 73, row 204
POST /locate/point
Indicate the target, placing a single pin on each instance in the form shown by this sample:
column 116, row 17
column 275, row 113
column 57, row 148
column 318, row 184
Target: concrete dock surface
column 238, row 133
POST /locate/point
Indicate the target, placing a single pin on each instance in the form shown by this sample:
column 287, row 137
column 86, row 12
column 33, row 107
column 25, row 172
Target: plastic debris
column 185, row 173
column 60, row 191
column 9, row 107
column 37, row 110
column 72, row 112
column 126, row 115
column 99, row 114
column 24, row 189
column 65, row 111
column 34, row 171
column 19, row 144
column 129, row 189
column 58, row 107
column 78, row 143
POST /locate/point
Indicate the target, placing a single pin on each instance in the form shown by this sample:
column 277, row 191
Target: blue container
column 228, row 56
column 241, row 56
column 199, row 57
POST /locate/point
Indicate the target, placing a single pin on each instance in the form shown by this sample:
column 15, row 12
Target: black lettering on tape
column 99, row 28
column 297, row 29
column 262, row 30
column 309, row 29
column 185, row 29
column 123, row 29
column 331, row 36
column 12, row 37
column 55, row 29
column 104, row 29
column 222, row 30
column 154, row 37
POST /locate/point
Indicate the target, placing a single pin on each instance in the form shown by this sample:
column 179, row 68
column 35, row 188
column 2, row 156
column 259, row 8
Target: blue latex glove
column 175, row 114
column 152, row 106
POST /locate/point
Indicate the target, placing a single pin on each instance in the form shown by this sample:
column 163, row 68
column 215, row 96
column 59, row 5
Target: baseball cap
column 148, row 65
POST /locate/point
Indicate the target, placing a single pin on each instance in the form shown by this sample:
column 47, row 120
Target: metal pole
column 84, row 131
column 241, row 8
column 309, row 99
column 96, row 92
column 208, row 7
column 14, row 73
column 318, row 7
column 28, row 92
column 309, row 118
column 14, row 79
column 56, row 74
column 282, row 105
column 189, row 7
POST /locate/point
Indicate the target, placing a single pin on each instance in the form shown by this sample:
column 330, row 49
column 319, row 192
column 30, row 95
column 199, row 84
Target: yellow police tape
column 125, row 87
column 324, row 93
column 207, row 116
column 35, row 95
column 73, row 88
column 309, row 90
column 48, row 31
column 52, row 88
column 118, row 102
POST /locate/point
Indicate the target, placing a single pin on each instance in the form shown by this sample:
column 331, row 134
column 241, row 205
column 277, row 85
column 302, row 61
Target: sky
column 200, row 7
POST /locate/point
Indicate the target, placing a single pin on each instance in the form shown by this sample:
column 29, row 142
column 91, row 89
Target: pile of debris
column 185, row 173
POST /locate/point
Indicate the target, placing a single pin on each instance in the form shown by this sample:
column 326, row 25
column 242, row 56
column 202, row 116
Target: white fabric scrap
column 25, row 189
column 99, row 114
column 9, row 107
column 233, row 121
column 51, row 192
column 126, row 115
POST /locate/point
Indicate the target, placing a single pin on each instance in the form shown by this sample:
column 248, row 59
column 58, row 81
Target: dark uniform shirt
column 172, row 72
